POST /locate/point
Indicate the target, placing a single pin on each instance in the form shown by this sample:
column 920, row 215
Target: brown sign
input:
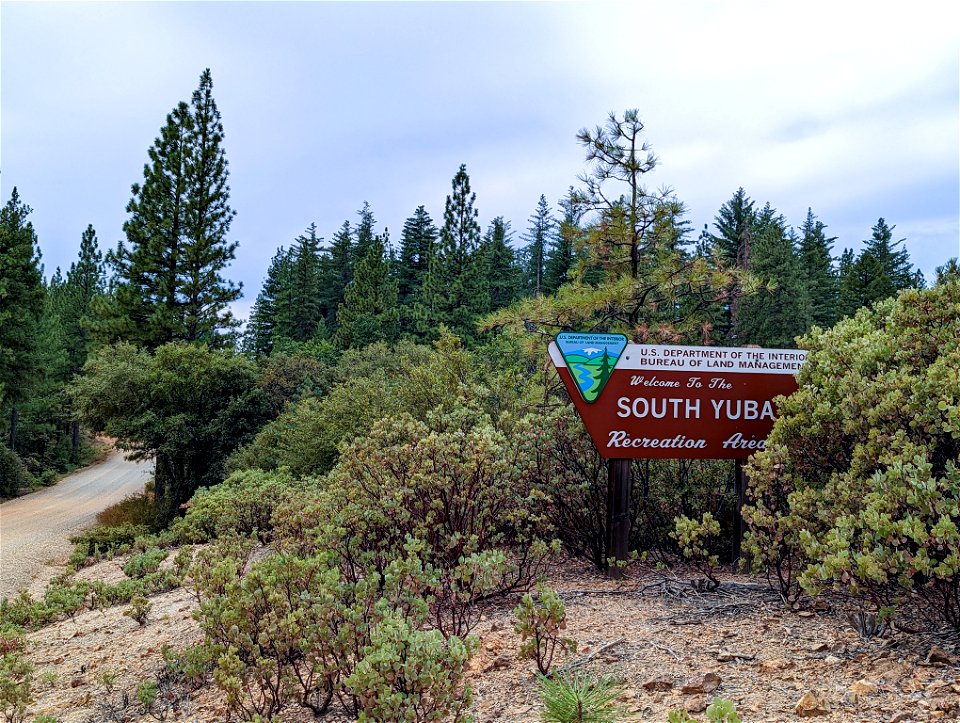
column 674, row 401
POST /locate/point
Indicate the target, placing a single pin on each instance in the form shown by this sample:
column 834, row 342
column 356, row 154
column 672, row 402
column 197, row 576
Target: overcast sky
column 852, row 109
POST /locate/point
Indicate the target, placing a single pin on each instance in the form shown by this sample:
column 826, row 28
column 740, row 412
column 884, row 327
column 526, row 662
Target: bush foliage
column 859, row 486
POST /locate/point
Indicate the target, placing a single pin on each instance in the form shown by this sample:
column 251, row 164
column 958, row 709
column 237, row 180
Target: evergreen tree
column 881, row 270
column 337, row 272
column 417, row 243
column 272, row 314
column 542, row 225
column 454, row 291
column 369, row 311
column 889, row 263
column 733, row 223
column 504, row 277
column 207, row 252
column 86, row 280
column 561, row 254
column 850, row 289
column 773, row 317
column 21, row 303
column 816, row 267
column 305, row 292
column 364, row 232
column 169, row 283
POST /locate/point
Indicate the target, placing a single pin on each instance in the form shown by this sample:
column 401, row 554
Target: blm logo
column 591, row 359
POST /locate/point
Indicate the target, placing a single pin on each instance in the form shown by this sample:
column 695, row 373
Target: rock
column 938, row 655
column 658, row 684
column 832, row 660
column 805, row 614
column 709, row 683
column 810, row 705
column 863, row 687
column 820, row 648
column 697, row 704
column 77, row 682
column 775, row 665
column 899, row 717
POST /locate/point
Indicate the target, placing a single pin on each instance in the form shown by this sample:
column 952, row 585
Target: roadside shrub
column 16, row 674
column 859, row 487
column 138, row 510
column 99, row 541
column 13, row 473
column 242, row 504
column 539, row 624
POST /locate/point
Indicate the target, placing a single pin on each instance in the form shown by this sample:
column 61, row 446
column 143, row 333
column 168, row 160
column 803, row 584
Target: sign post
column 644, row 401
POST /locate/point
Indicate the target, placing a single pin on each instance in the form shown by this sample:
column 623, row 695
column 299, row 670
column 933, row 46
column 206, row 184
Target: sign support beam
column 619, row 485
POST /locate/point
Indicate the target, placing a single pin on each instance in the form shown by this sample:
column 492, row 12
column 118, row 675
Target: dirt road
column 36, row 528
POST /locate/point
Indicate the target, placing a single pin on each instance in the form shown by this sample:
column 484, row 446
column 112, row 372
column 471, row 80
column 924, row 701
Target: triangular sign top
column 590, row 359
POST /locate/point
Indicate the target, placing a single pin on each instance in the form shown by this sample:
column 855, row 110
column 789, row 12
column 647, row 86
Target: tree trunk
column 14, row 418
column 74, row 441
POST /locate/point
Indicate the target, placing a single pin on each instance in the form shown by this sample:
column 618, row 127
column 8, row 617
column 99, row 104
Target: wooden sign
column 679, row 402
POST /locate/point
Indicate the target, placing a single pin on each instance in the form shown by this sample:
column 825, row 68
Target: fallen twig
column 579, row 662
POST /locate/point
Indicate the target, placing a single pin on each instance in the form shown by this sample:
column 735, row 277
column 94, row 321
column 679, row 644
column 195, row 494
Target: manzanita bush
column 859, row 487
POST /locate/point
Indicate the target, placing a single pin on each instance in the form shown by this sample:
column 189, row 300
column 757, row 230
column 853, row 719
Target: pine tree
column 21, row 304
column 816, row 267
column 272, row 314
column 537, row 237
column 337, row 272
column 504, row 276
column 454, row 291
column 169, row 284
column 364, row 232
column 733, row 223
column 773, row 317
column 86, row 280
column 207, row 252
column 561, row 254
column 306, row 312
column 417, row 243
column 881, row 270
column 850, row 289
column 369, row 311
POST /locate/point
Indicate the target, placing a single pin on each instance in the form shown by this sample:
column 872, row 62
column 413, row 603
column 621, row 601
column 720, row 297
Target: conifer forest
column 361, row 490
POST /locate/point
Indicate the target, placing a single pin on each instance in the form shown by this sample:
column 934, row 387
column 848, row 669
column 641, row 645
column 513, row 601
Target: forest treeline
column 751, row 279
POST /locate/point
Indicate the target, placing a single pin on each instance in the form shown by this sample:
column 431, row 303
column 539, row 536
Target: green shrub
column 859, row 488
column 720, row 711
column 139, row 566
column 138, row 510
column 539, row 624
column 96, row 543
column 242, row 504
column 16, row 675
column 13, row 474
column 408, row 674
column 293, row 629
column 582, row 697
column 697, row 540
column 139, row 609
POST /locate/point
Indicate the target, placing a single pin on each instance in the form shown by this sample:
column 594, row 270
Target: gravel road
column 36, row 528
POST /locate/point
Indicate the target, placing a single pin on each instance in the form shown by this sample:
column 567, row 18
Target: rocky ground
column 674, row 647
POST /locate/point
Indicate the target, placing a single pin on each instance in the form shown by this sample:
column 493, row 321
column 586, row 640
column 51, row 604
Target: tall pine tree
column 169, row 271
column 337, row 272
column 816, row 267
column 454, row 289
column 418, row 241
column 369, row 311
column 537, row 238
column 504, row 276
column 561, row 255
column 21, row 304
